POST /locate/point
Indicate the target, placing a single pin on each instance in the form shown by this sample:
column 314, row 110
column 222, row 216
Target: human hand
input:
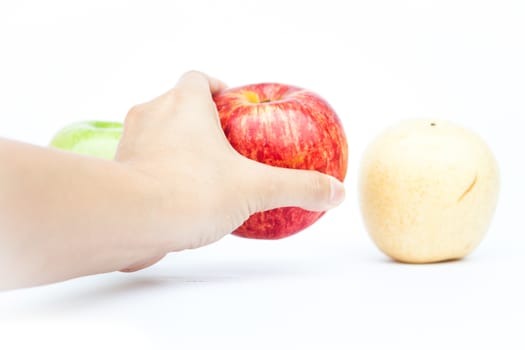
column 175, row 145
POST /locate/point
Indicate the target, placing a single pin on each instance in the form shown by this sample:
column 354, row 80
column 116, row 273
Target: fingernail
column 337, row 192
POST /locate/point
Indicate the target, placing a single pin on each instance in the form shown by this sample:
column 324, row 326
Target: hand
column 176, row 183
column 175, row 145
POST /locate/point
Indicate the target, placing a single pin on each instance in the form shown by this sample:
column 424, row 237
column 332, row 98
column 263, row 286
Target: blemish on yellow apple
column 428, row 191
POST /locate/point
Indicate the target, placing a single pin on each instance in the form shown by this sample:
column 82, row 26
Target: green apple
column 94, row 138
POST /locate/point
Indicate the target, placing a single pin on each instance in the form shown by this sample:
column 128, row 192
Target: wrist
column 139, row 205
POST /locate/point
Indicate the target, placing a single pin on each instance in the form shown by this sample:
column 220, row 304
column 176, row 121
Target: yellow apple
column 428, row 190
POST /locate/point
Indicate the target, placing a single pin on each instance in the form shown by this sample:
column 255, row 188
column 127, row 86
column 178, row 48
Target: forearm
column 177, row 184
column 63, row 215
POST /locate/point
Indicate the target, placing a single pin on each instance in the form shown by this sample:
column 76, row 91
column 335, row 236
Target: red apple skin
column 283, row 126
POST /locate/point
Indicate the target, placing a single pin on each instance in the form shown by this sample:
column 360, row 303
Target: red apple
column 283, row 126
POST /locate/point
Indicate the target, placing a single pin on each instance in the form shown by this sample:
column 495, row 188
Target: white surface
column 376, row 62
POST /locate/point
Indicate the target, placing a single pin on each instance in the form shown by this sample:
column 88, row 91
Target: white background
column 376, row 62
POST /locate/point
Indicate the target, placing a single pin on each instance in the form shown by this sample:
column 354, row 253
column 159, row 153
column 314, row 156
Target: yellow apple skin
column 428, row 191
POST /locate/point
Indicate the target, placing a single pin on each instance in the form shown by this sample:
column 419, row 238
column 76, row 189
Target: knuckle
column 193, row 74
column 319, row 187
column 193, row 80
column 135, row 112
column 177, row 94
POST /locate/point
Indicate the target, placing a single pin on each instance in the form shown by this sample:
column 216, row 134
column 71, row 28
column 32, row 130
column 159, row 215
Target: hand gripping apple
column 283, row 126
column 175, row 183
column 276, row 124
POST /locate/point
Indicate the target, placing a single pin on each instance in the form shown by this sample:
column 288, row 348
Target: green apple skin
column 93, row 138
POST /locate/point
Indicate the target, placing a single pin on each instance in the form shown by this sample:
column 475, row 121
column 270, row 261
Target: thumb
column 308, row 189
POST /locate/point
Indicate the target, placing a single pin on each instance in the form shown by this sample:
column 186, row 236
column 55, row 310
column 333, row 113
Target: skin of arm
column 176, row 183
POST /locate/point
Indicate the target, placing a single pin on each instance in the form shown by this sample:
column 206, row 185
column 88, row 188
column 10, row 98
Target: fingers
column 186, row 111
column 193, row 88
column 310, row 190
column 198, row 82
column 192, row 98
